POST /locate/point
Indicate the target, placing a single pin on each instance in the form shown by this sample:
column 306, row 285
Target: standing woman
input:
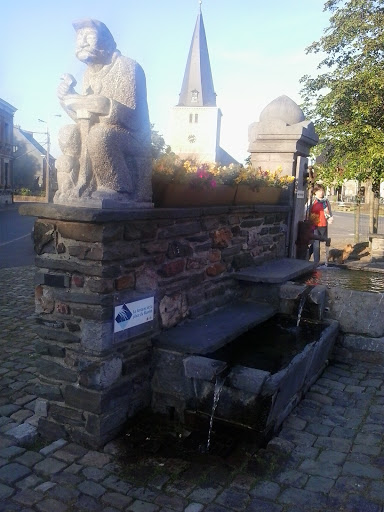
column 320, row 214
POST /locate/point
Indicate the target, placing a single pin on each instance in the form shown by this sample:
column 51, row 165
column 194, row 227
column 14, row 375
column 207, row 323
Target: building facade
column 7, row 112
column 30, row 164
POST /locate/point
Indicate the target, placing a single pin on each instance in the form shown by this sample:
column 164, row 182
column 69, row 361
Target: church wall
column 197, row 139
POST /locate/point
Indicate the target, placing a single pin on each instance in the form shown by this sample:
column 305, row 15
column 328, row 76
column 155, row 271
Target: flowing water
column 301, row 307
column 219, row 384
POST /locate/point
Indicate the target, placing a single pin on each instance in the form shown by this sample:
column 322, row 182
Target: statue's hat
column 101, row 28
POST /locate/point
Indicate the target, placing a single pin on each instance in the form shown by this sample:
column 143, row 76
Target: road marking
column 14, row 240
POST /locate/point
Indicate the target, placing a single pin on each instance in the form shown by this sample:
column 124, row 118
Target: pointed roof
column 197, row 89
column 30, row 138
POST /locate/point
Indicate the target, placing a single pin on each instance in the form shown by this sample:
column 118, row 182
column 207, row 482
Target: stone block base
column 94, row 264
column 377, row 247
column 360, row 348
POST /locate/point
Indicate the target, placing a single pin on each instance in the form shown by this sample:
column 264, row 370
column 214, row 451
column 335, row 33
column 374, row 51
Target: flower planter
column 262, row 195
column 183, row 195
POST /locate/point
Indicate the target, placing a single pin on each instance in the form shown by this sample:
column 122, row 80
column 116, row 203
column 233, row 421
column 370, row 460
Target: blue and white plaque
column 133, row 313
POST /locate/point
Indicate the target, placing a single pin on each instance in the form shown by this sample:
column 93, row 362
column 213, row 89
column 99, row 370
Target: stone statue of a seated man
column 106, row 159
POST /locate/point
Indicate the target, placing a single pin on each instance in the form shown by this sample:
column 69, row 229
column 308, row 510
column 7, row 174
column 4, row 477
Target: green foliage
column 346, row 101
column 158, row 145
column 23, row 191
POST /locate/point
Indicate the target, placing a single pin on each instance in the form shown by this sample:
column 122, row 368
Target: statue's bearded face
column 89, row 48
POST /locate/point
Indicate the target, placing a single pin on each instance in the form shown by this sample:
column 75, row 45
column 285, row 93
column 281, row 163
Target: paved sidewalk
column 328, row 457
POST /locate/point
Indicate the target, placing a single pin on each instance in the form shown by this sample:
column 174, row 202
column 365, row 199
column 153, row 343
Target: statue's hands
column 94, row 104
column 66, row 86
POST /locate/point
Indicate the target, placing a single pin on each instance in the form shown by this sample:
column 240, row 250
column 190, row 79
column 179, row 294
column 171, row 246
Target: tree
column 159, row 147
column 346, row 101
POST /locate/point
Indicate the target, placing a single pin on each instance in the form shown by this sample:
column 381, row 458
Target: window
column 6, row 132
column 194, row 96
column 191, row 118
column 196, row 118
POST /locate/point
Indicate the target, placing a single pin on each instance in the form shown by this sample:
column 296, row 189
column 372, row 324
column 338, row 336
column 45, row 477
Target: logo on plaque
column 133, row 313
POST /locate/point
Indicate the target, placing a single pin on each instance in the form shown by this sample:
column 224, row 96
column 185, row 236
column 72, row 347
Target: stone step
column 210, row 332
column 275, row 271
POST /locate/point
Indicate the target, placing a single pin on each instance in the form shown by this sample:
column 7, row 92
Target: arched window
column 194, row 96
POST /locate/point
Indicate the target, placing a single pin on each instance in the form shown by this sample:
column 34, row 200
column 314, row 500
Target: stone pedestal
column 93, row 377
column 377, row 247
column 100, row 272
column 283, row 138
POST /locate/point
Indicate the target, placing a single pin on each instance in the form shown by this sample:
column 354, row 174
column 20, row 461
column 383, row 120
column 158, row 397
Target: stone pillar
column 92, row 376
column 377, row 247
column 283, row 138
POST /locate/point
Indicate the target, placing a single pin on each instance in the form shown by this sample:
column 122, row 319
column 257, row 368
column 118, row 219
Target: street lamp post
column 48, row 169
column 47, row 180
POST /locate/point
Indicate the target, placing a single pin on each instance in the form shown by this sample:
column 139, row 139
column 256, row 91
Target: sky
column 256, row 49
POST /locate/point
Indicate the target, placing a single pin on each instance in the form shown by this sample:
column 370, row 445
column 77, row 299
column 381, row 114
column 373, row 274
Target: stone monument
column 283, row 138
column 281, row 135
column 106, row 160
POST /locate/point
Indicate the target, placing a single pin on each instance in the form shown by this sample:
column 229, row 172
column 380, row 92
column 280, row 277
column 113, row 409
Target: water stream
column 301, row 307
column 219, row 384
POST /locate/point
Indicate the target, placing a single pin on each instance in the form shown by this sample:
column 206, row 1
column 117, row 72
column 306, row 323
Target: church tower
column 195, row 122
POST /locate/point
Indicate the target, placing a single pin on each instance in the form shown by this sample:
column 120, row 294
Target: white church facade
column 195, row 122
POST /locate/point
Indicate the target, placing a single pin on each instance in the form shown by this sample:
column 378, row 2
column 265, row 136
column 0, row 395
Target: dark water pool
column 270, row 346
column 360, row 280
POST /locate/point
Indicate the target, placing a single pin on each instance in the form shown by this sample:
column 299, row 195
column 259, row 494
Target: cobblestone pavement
column 329, row 455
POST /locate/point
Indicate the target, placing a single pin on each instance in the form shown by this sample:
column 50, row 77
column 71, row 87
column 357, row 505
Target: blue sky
column 256, row 48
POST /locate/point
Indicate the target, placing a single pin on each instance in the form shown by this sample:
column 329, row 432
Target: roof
column 197, row 88
column 4, row 105
column 29, row 136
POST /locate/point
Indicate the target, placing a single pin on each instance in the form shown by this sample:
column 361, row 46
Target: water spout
column 300, row 310
column 303, row 299
column 219, row 384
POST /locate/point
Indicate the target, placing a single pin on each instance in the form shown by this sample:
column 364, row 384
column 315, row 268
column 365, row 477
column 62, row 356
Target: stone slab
column 210, row 332
column 80, row 214
column 276, row 271
column 357, row 312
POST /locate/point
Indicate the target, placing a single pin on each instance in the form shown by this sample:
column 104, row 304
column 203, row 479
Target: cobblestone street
column 329, row 455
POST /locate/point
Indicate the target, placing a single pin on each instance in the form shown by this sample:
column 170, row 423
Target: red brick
column 78, row 281
column 216, row 269
column 124, row 282
column 222, row 237
column 173, row 268
column 62, row 308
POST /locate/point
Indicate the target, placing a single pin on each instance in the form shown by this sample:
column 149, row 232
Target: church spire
column 197, row 89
